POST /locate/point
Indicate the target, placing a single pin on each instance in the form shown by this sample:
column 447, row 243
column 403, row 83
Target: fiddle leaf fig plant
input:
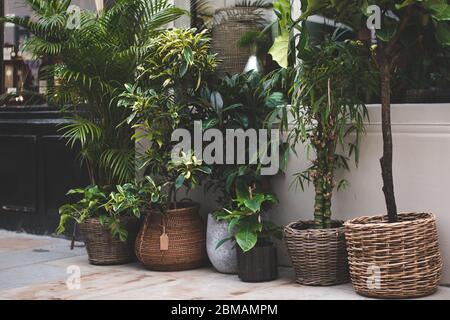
column 399, row 27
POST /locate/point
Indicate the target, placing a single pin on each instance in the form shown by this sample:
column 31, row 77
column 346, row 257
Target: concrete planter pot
column 224, row 259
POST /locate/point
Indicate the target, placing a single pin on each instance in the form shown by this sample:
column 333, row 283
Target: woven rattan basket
column 226, row 34
column 319, row 256
column 398, row 260
column 186, row 232
column 103, row 248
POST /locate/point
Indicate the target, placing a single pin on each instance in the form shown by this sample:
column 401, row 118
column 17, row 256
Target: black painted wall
column 36, row 169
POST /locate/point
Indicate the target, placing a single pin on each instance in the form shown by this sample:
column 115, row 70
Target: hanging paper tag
column 164, row 240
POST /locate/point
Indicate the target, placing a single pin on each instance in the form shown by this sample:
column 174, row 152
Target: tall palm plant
column 94, row 55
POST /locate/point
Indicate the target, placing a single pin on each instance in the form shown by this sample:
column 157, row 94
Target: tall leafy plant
column 403, row 25
column 240, row 101
column 94, row 55
column 164, row 99
column 328, row 108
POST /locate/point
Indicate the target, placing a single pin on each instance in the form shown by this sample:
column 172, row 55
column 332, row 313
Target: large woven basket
column 103, row 248
column 226, row 34
column 319, row 256
column 187, row 240
column 397, row 260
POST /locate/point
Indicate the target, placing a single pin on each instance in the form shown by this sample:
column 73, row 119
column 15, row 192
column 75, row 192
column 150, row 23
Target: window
column 19, row 72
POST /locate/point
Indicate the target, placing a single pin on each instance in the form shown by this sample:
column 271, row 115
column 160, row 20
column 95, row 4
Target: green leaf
column 385, row 34
column 217, row 101
column 233, row 224
column 254, row 204
column 440, row 11
column 404, row 4
column 313, row 7
column 246, row 238
column 180, row 181
column 188, row 55
column 183, row 69
column 443, row 33
column 275, row 99
column 280, row 49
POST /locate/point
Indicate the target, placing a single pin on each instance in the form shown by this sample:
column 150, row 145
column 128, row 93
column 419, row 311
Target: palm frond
column 119, row 164
column 81, row 130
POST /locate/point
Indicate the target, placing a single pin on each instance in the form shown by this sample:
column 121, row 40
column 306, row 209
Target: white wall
column 421, row 173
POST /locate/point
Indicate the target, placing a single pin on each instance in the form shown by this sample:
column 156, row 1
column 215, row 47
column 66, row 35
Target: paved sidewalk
column 35, row 267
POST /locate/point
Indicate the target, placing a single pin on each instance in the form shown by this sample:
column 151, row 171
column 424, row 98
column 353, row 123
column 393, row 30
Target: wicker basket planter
column 103, row 248
column 319, row 256
column 226, row 35
column 259, row 264
column 187, row 240
column 398, row 260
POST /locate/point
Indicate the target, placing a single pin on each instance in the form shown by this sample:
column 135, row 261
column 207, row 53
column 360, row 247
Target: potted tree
column 256, row 253
column 328, row 111
column 163, row 100
column 397, row 255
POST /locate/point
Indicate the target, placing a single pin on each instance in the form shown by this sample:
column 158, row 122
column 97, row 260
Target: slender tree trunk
column 386, row 160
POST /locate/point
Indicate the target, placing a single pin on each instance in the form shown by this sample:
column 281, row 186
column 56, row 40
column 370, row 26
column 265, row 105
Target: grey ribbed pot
column 224, row 259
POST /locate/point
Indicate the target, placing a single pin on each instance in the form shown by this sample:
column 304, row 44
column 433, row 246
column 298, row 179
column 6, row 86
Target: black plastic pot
column 259, row 264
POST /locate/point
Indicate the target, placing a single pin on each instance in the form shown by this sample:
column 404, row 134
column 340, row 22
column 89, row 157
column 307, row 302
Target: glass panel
column 20, row 71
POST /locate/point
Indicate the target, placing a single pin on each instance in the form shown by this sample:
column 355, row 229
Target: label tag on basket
column 164, row 241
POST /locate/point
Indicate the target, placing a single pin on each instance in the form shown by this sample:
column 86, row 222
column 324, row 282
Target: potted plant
column 163, row 100
column 108, row 224
column 256, row 253
column 238, row 102
column 397, row 255
column 328, row 118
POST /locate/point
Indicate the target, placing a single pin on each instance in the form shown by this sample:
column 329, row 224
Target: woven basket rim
column 290, row 227
column 241, row 8
column 96, row 220
column 369, row 221
column 190, row 206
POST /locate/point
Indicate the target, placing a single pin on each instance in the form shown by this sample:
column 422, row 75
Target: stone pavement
column 35, row 267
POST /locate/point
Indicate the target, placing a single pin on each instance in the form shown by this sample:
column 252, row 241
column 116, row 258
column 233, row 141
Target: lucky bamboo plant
column 332, row 82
